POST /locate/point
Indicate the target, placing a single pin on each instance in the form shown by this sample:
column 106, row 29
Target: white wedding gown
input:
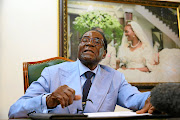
column 168, row 69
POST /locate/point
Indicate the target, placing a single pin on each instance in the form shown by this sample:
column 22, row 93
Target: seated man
column 81, row 86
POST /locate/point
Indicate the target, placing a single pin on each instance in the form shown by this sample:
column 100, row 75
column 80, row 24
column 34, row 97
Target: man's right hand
column 63, row 95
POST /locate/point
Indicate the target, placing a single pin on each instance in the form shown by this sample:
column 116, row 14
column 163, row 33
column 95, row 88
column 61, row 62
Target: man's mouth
column 86, row 51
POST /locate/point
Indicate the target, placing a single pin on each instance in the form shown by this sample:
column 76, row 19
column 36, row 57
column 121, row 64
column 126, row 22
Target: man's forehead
column 88, row 34
column 91, row 33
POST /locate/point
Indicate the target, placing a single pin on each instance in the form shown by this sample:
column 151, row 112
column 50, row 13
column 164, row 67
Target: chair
column 32, row 70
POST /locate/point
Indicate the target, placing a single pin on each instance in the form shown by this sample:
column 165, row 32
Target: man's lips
column 88, row 51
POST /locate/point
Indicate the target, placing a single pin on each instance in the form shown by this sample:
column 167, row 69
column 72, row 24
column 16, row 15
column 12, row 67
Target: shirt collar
column 83, row 68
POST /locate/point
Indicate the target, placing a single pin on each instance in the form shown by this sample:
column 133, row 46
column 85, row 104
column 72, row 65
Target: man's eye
column 96, row 40
column 84, row 39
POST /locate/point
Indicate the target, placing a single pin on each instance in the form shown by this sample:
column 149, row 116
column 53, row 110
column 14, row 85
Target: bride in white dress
column 140, row 63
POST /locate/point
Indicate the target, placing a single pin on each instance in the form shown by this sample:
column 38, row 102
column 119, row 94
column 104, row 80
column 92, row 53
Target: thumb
column 144, row 109
column 77, row 97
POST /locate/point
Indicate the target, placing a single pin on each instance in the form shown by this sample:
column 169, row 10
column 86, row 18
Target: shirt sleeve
column 44, row 105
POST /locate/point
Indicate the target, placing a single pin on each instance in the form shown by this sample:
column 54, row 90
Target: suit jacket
column 108, row 89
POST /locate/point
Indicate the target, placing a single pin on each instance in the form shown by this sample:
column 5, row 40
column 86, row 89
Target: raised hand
column 63, row 95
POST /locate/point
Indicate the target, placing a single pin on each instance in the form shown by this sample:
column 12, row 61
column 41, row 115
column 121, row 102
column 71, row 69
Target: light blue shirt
column 83, row 69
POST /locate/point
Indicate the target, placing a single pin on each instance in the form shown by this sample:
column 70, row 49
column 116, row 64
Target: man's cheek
column 101, row 51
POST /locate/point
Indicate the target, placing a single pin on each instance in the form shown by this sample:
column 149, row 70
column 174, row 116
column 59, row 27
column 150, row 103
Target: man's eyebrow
column 86, row 36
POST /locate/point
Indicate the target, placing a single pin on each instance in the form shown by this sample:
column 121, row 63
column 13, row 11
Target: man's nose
column 90, row 43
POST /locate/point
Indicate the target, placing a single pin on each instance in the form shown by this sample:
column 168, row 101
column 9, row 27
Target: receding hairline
column 94, row 31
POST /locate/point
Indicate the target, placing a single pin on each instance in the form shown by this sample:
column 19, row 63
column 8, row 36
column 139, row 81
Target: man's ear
column 104, row 54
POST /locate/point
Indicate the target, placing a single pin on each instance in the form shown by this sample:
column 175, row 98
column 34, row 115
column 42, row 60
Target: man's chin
column 87, row 59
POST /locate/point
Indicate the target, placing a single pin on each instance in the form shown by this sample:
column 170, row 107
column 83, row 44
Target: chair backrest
column 32, row 70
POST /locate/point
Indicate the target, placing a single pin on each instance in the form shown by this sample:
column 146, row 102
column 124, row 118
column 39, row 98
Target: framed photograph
column 159, row 21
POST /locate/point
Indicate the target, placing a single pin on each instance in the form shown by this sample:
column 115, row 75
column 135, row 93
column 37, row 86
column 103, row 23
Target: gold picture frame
column 63, row 24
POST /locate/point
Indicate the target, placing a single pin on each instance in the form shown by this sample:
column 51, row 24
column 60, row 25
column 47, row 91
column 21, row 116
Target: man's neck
column 90, row 65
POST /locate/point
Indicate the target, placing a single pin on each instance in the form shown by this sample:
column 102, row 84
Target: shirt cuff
column 44, row 106
column 146, row 96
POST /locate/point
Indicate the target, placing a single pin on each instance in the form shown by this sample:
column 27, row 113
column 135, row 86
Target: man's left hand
column 147, row 107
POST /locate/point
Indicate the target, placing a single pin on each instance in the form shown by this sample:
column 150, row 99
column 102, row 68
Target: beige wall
column 28, row 32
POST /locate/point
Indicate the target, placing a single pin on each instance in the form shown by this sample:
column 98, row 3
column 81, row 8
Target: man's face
column 91, row 48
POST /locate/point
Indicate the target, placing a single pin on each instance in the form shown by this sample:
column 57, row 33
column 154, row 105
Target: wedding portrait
column 143, row 40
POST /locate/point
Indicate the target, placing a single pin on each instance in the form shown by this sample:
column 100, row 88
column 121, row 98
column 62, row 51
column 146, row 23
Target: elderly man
column 81, row 86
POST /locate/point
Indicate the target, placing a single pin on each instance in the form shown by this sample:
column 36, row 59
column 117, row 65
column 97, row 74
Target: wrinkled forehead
column 93, row 34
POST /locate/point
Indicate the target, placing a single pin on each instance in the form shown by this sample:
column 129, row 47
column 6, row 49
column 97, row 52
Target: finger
column 77, row 97
column 71, row 90
column 143, row 110
column 54, row 98
column 66, row 95
column 61, row 101
column 70, row 96
column 66, row 100
column 151, row 110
